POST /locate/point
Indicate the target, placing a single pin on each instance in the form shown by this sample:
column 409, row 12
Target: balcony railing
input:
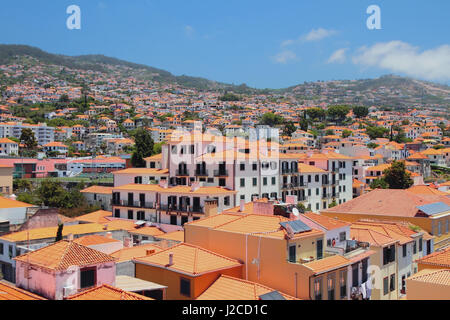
column 183, row 172
column 289, row 170
column 135, row 204
column 201, row 173
column 220, row 173
column 181, row 208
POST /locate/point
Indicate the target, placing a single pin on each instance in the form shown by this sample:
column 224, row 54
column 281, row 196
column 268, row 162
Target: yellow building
column 275, row 254
column 6, row 179
column 186, row 270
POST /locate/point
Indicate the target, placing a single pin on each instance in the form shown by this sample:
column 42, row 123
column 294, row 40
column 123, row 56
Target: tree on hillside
column 376, row 132
column 28, row 139
column 144, row 148
column 360, row 111
column 51, row 193
column 316, row 114
column 289, row 128
column 397, row 177
column 346, row 133
column 338, row 113
column 379, row 184
column 271, row 119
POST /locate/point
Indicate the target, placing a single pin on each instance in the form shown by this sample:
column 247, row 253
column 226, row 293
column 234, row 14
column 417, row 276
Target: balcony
column 348, row 248
column 182, row 173
column 289, row 170
column 134, row 204
column 220, row 173
column 201, row 173
column 181, row 208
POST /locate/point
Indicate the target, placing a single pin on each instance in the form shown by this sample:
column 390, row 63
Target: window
column 130, row 214
column 274, row 181
column 88, row 277
column 414, row 247
column 342, row 236
column 388, row 254
column 141, row 215
column 392, row 282
column 385, row 285
column 309, row 178
column 292, row 253
column 221, row 182
column 343, row 284
column 255, row 166
column 331, row 284
column 404, row 250
column 242, row 166
column 355, row 275
column 265, row 181
column 242, row 182
column 185, row 287
column 365, row 264
column 420, row 245
column 318, row 289
column 1, row 248
column 317, row 178
column 255, row 182
column 226, row 201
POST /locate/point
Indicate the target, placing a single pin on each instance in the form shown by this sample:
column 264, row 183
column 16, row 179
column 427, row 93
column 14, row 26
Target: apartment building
column 169, row 205
column 284, row 254
column 42, row 132
column 8, row 147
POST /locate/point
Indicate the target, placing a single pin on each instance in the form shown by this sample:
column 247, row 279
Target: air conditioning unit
column 68, row 291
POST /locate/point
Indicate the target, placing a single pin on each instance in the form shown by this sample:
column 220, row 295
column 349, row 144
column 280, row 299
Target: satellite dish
column 295, row 212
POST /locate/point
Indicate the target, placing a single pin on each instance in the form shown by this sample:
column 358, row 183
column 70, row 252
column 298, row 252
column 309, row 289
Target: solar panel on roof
column 434, row 208
column 274, row 295
column 297, row 226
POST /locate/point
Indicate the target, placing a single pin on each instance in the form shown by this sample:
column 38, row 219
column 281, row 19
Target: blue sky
column 261, row 43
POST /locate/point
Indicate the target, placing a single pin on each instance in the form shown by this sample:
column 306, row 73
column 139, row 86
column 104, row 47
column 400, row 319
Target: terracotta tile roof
column 216, row 220
column 176, row 235
column 419, row 189
column 107, row 292
column 95, row 217
column 121, row 224
column 433, row 276
column 189, row 259
column 438, row 258
column 10, row 292
column 98, row 189
column 147, row 231
column 150, row 171
column 305, row 168
column 64, row 254
column 50, row 232
column 389, row 231
column 327, row 264
column 93, row 240
column 387, row 202
column 6, row 203
column 363, row 234
column 127, row 254
column 327, row 222
column 230, row 288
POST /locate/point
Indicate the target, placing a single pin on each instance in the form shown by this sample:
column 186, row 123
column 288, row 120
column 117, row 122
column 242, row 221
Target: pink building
column 64, row 268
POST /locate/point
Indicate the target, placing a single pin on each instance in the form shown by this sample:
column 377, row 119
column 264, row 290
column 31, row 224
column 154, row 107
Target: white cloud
column 338, row 56
column 285, row 56
column 189, row 31
column 318, row 34
column 398, row 56
column 313, row 35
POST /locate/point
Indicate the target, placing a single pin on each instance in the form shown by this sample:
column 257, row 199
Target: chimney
column 105, row 227
column 170, row 259
column 127, row 242
column 241, row 205
column 210, row 207
column 254, row 198
column 149, row 252
column 260, row 207
column 109, row 235
column 70, row 237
